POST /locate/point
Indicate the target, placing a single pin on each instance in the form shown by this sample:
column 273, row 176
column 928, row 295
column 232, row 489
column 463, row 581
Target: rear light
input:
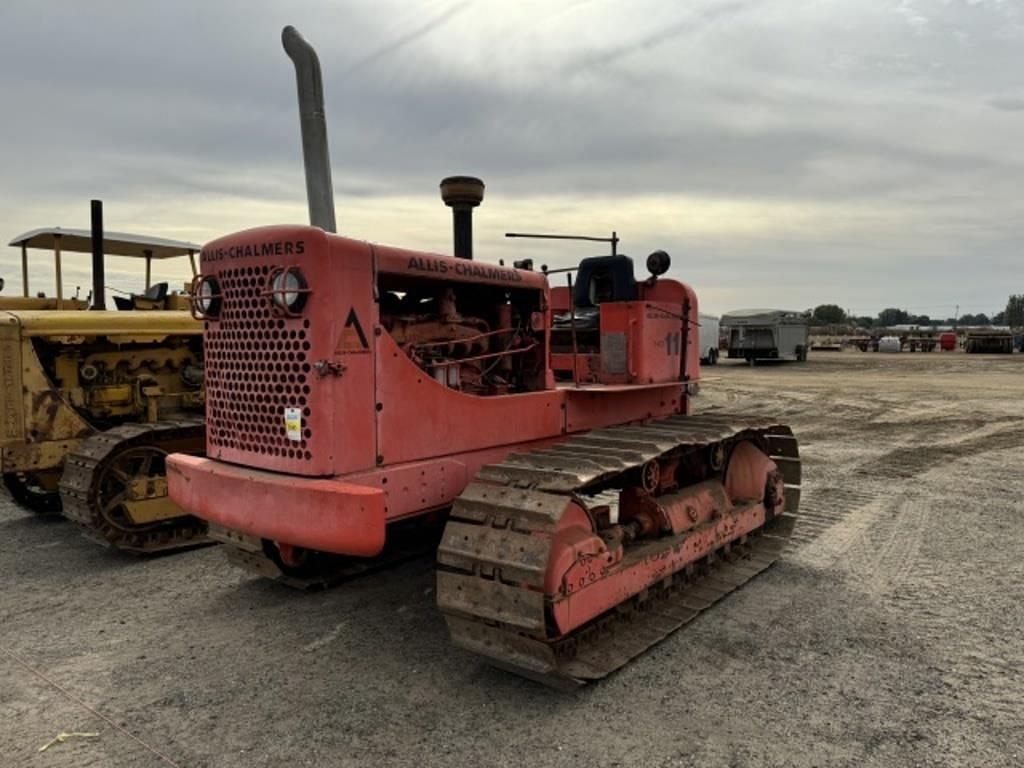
column 206, row 297
column 288, row 291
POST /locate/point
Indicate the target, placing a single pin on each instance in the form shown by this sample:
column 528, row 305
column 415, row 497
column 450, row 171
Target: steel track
column 494, row 552
column 79, row 488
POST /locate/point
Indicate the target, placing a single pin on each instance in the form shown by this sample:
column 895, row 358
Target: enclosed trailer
column 766, row 334
column 988, row 341
column 708, row 339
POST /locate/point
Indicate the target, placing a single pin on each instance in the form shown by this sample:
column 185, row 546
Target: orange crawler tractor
column 356, row 389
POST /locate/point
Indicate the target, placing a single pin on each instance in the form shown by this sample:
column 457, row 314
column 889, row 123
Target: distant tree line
column 833, row 314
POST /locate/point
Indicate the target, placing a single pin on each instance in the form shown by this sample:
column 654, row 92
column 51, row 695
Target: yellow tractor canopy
column 61, row 240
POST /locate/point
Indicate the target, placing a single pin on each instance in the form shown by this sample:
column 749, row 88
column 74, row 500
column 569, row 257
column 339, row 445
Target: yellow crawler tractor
column 92, row 401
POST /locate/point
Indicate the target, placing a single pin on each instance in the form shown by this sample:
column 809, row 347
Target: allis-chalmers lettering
column 280, row 248
column 464, row 268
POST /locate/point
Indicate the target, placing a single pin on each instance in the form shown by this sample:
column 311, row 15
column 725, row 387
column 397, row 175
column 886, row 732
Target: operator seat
column 598, row 279
column 604, row 278
column 154, row 297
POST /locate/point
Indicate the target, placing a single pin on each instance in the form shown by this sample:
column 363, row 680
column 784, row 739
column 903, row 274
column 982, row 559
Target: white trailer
column 708, row 339
column 766, row 334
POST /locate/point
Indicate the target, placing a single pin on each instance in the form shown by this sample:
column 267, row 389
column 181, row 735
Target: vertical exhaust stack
column 462, row 194
column 99, row 300
column 313, row 121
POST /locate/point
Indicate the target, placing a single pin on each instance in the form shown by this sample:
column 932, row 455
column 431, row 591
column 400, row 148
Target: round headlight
column 207, row 297
column 288, row 290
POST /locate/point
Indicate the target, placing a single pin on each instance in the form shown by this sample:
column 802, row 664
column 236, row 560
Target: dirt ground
column 890, row 634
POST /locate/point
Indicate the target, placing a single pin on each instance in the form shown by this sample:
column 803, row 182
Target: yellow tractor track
column 88, row 487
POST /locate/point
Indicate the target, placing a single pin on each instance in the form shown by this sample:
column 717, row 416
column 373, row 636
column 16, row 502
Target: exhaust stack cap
column 462, row 191
column 462, row 194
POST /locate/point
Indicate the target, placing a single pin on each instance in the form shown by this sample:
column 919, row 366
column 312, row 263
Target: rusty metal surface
column 55, row 389
column 84, row 467
column 521, row 557
column 492, row 564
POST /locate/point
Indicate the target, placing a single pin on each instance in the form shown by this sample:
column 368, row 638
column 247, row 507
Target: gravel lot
column 890, row 634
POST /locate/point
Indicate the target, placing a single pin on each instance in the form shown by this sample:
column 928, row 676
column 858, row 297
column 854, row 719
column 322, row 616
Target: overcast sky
column 786, row 153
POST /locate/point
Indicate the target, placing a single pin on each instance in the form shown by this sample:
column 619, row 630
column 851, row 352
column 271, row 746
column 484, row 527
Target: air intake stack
column 462, row 194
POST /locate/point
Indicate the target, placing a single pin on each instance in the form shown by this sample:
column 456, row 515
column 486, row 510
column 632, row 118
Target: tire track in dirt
column 907, row 462
column 921, row 546
column 873, row 515
column 868, row 486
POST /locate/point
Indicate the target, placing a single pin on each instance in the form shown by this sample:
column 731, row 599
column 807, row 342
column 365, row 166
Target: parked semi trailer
column 920, row 342
column 766, row 334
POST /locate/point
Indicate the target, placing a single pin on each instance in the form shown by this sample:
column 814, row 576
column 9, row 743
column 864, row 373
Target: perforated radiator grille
column 256, row 366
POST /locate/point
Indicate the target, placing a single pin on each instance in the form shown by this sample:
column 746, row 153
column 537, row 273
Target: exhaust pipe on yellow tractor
column 99, row 300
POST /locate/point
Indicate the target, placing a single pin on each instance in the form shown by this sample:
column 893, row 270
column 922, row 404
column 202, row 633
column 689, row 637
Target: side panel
column 790, row 337
column 590, row 408
column 12, row 427
column 418, row 418
column 353, row 317
column 785, row 341
column 680, row 296
column 398, row 261
column 755, row 338
column 651, row 340
column 50, row 425
column 708, row 335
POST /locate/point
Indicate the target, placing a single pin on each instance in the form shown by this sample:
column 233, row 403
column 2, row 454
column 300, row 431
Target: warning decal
column 293, row 423
column 352, row 338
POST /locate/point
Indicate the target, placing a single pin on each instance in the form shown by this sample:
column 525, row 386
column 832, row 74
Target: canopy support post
column 192, row 261
column 56, row 263
column 149, row 266
column 24, row 270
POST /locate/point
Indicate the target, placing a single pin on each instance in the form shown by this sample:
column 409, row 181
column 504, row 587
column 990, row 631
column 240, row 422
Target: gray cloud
column 861, row 142
column 694, row 22
column 1008, row 105
column 408, row 38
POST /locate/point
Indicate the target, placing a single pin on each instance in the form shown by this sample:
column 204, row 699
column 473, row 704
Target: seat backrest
column 156, row 292
column 604, row 278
